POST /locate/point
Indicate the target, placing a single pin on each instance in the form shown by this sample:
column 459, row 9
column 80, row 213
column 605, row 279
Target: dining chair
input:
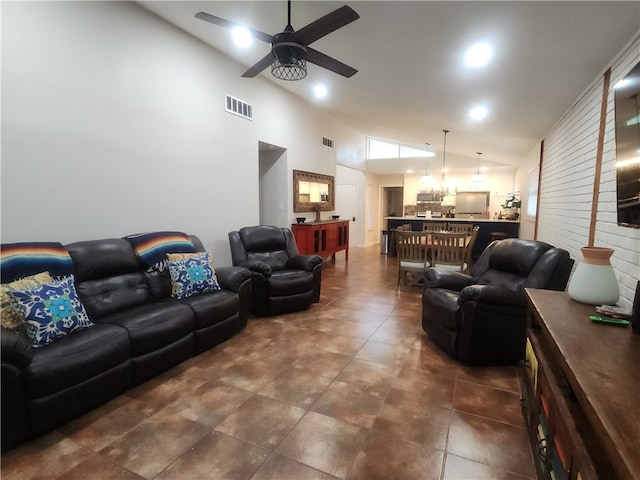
column 457, row 227
column 412, row 254
column 469, row 248
column 393, row 240
column 449, row 250
column 434, row 226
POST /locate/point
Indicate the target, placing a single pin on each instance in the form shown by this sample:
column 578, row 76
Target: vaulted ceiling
column 412, row 81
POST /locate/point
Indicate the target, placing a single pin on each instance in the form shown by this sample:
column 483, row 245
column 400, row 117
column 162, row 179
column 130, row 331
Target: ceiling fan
column 290, row 49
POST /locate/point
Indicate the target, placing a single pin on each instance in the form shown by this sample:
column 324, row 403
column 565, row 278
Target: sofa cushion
column 115, row 294
column 191, row 274
column 50, row 311
column 75, row 358
column 266, row 244
column 212, row 308
column 154, row 325
column 290, row 282
column 98, row 259
column 516, row 256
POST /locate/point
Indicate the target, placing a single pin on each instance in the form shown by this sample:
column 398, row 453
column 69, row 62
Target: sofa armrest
column 16, row 352
column 257, row 266
column 232, row 278
column 448, row 280
column 304, row 262
column 492, row 295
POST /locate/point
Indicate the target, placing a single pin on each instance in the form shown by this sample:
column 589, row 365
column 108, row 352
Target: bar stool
column 498, row 235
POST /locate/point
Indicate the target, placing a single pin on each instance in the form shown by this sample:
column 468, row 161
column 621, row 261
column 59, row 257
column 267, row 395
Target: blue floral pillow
column 50, row 311
column 192, row 274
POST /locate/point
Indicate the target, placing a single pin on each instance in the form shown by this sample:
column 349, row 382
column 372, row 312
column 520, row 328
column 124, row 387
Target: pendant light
column 478, row 177
column 426, row 178
column 443, row 187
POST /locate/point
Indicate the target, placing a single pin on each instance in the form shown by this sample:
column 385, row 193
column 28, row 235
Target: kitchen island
column 487, row 226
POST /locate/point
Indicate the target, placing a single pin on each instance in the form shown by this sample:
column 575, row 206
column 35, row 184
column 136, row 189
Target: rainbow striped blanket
column 18, row 260
column 152, row 248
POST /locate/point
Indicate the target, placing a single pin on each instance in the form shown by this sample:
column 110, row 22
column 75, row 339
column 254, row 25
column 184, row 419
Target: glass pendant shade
column 594, row 281
column 478, row 177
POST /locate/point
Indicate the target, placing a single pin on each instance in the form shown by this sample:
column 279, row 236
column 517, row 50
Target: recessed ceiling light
column 478, row 55
column 320, row 91
column 409, row 171
column 241, row 37
column 478, row 113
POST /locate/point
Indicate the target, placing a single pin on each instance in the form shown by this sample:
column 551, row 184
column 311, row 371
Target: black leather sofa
column 480, row 319
column 283, row 280
column 139, row 331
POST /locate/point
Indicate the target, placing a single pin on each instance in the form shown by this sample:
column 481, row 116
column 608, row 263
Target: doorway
column 347, row 208
column 272, row 172
column 392, row 202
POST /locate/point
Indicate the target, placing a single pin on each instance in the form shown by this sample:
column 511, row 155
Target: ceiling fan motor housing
column 289, row 57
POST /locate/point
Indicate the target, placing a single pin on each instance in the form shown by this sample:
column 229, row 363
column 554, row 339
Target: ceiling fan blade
column 329, row 63
column 260, row 66
column 327, row 24
column 257, row 34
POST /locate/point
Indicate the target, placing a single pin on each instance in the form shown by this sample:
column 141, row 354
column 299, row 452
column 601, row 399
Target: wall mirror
column 627, row 108
column 312, row 192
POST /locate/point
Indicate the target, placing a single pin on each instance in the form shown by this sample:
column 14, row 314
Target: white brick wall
column 567, row 181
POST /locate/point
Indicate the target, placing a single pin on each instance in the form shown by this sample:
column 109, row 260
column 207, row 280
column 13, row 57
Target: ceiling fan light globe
column 289, row 61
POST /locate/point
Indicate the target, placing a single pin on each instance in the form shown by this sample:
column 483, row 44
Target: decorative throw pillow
column 10, row 317
column 192, row 274
column 50, row 311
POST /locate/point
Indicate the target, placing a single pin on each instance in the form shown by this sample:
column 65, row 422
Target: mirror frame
column 301, row 176
column 627, row 147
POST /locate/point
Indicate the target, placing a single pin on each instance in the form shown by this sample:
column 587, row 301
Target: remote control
column 609, row 320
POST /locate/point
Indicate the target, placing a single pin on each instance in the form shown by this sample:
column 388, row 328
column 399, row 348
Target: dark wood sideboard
column 581, row 392
column 322, row 238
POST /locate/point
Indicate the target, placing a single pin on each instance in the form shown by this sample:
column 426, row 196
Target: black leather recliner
column 283, row 280
column 480, row 319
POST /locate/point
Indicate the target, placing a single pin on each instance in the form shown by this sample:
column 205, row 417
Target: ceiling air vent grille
column 327, row 142
column 238, row 107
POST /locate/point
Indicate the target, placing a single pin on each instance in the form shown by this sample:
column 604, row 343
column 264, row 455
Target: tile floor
column 350, row 389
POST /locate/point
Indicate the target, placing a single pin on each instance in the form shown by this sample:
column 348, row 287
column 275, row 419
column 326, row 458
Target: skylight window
column 381, row 149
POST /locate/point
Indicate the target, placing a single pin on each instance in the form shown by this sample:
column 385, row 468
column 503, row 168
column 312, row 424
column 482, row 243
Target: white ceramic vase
column 594, row 281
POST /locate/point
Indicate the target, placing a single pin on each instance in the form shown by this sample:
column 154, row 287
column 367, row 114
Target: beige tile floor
column 350, row 389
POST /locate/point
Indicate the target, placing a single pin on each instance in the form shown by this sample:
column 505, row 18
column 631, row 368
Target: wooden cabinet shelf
column 322, row 238
column 581, row 391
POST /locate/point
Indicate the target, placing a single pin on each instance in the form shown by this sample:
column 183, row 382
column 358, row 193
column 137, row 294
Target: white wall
column 568, row 175
column 113, row 123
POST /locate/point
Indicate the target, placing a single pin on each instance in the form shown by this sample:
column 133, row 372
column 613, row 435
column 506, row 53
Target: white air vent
column 327, row 142
column 238, row 107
